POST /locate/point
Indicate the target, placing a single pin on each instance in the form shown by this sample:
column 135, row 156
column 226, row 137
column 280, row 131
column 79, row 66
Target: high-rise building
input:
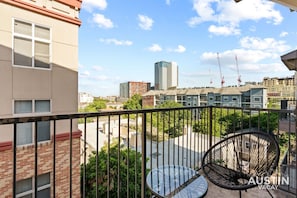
column 39, row 76
column 166, row 75
column 128, row 89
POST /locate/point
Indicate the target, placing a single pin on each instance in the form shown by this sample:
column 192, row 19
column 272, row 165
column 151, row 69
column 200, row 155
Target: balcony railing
column 108, row 154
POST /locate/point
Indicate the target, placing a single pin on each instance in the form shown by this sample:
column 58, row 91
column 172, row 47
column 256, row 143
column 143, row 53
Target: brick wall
column 25, row 165
column 138, row 88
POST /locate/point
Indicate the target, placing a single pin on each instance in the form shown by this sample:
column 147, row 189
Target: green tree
column 266, row 122
column 95, row 106
column 135, row 102
column 169, row 122
column 226, row 121
column 129, row 163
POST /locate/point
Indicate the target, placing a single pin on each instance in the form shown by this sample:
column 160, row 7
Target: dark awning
column 290, row 60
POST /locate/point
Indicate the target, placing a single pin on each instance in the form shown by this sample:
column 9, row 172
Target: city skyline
column 121, row 41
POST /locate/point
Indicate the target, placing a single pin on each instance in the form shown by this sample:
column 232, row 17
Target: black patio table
column 176, row 181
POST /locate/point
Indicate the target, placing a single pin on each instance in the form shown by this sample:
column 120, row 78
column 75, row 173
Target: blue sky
column 120, row 40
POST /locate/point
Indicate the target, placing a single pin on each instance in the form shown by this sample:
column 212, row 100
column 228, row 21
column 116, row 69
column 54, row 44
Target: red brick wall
column 138, row 88
column 25, row 165
column 148, row 101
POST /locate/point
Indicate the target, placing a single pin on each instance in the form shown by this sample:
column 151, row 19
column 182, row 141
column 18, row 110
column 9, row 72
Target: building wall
column 58, row 84
column 138, row 88
column 124, row 90
column 148, row 101
column 25, row 165
column 166, row 75
column 128, row 89
column 280, row 88
column 247, row 97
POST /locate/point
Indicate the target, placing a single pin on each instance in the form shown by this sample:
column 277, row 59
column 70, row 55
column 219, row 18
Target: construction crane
column 222, row 77
column 210, row 82
column 238, row 75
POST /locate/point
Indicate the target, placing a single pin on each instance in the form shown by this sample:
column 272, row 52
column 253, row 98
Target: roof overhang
column 290, row 60
column 292, row 4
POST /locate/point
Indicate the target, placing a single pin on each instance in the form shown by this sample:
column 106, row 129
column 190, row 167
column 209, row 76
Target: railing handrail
column 53, row 116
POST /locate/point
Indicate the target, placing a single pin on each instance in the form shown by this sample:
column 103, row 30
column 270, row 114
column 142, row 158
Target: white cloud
column 223, row 30
column 89, row 5
column 255, row 56
column 227, row 13
column 116, row 42
column 267, row 44
column 283, row 34
column 145, row 22
column 167, row 2
column 80, row 65
column 102, row 22
column 155, row 48
column 102, row 77
column 84, row 74
column 180, row 49
column 98, row 68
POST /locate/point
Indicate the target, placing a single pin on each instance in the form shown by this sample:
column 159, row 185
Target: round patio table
column 176, row 181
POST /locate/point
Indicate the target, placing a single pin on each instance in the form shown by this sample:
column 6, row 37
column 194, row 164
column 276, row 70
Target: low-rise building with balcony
column 254, row 96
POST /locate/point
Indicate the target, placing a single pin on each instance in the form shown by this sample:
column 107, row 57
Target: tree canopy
column 129, row 163
column 134, row 103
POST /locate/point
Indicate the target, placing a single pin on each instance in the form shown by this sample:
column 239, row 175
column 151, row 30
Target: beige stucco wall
column 58, row 84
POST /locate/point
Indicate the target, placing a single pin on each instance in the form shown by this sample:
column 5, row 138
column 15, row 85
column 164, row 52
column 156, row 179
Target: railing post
column 143, row 155
column 210, row 126
column 295, row 146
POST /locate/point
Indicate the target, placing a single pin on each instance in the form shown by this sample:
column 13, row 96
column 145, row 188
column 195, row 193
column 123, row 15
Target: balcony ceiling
column 291, row 4
column 290, row 60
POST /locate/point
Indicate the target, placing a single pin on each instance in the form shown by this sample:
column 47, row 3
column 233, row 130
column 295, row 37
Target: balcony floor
column 215, row 191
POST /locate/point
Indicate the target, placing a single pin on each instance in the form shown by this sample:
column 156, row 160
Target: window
column 25, row 187
column 25, row 131
column 31, row 45
column 247, row 145
column 257, row 99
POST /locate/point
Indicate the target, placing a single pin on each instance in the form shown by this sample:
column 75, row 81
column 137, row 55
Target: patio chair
column 235, row 161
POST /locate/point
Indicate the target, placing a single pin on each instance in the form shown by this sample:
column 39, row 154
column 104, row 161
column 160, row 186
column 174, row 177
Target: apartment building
column 84, row 99
column 245, row 96
column 166, row 75
column 128, row 89
column 39, row 76
column 280, row 88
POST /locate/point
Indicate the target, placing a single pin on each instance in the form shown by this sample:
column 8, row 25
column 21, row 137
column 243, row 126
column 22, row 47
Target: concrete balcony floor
column 217, row 192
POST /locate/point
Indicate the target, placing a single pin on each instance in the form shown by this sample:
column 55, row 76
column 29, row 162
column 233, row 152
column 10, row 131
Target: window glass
column 23, row 106
column 43, row 131
column 31, row 42
column 24, row 185
column 42, row 106
column 24, row 133
column 45, row 193
column 23, row 28
column 41, row 55
column 43, row 179
column 42, row 32
column 22, row 54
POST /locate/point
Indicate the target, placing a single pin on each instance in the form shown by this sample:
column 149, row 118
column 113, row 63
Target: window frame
column 40, row 188
column 33, row 40
column 33, row 124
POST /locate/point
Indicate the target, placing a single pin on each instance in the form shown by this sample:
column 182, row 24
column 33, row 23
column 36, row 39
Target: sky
column 120, row 40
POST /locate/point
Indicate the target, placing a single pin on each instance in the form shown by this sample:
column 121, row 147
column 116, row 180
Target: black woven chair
column 232, row 162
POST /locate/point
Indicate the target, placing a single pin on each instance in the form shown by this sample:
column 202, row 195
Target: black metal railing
column 108, row 154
